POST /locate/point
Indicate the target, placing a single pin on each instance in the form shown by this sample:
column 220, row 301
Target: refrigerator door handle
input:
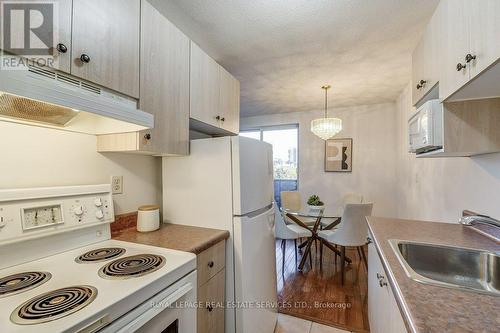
column 262, row 211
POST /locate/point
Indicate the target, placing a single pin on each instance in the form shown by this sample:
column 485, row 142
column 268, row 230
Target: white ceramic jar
column 148, row 218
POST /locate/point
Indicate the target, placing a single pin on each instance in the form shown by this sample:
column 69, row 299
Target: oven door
column 170, row 311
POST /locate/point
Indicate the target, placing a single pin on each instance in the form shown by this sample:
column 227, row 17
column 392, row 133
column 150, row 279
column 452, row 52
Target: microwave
column 425, row 128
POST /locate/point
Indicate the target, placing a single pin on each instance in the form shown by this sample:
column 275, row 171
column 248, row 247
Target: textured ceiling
column 284, row 51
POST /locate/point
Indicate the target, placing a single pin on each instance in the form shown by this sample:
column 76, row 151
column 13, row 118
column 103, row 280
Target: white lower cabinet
column 383, row 311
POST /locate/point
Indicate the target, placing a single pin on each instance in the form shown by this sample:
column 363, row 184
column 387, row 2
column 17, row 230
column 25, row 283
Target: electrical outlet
column 117, row 184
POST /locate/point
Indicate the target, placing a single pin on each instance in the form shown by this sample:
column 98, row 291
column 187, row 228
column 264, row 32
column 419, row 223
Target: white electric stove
column 60, row 272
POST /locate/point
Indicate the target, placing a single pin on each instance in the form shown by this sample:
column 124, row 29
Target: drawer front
column 211, row 261
column 211, row 300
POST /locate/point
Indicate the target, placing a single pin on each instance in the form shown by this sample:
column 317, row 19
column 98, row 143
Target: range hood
column 44, row 97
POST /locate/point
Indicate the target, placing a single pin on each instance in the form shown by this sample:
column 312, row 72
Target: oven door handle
column 156, row 309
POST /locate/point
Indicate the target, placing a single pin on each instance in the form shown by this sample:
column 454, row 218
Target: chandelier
column 326, row 127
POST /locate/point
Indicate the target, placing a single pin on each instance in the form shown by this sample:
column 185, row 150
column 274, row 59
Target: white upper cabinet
column 214, row 95
column 418, row 73
column 469, row 45
column 105, row 40
column 204, row 90
column 164, row 90
column 485, row 34
column 455, row 46
column 425, row 59
column 229, row 101
column 61, row 46
column 98, row 41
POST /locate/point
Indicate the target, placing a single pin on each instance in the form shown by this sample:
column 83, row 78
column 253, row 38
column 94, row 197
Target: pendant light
column 326, row 127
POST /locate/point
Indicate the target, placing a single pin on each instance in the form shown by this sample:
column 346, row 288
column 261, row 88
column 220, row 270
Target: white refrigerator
column 227, row 183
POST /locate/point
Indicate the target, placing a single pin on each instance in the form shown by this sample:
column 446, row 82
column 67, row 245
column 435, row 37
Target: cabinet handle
column 85, row 58
column 368, row 240
column 147, row 136
column 222, row 119
column 469, row 57
column 61, row 48
column 217, row 118
column 421, row 84
column 460, row 67
column 210, row 264
column 210, row 308
column 381, row 280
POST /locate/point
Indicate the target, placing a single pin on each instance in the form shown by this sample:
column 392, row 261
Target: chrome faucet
column 482, row 219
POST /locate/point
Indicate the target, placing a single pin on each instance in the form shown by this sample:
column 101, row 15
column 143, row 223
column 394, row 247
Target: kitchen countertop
column 427, row 308
column 174, row 236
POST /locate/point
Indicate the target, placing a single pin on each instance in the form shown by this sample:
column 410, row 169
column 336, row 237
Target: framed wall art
column 338, row 155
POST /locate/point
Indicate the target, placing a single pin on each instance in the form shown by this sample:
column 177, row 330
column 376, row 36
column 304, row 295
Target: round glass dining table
column 327, row 212
column 311, row 219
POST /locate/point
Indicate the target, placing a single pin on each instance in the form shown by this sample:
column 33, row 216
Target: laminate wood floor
column 317, row 295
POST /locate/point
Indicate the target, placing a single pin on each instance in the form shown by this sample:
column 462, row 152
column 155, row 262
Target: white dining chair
column 349, row 198
column 352, row 198
column 285, row 232
column 352, row 231
column 292, row 200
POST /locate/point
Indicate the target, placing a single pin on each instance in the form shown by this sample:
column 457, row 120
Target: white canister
column 148, row 218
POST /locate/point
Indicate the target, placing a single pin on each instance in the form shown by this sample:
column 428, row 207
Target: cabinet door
column 229, row 101
column 204, row 87
column 432, row 42
column 107, row 31
column 417, row 60
column 455, row 46
column 62, row 34
column 62, row 60
column 378, row 296
column 485, row 34
column 164, row 89
column 210, row 317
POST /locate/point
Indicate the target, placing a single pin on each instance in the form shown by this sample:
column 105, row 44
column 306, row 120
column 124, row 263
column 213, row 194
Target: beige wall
column 34, row 156
column 439, row 189
column 373, row 129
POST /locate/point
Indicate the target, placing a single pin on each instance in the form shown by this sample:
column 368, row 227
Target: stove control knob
column 98, row 202
column 78, row 210
column 99, row 214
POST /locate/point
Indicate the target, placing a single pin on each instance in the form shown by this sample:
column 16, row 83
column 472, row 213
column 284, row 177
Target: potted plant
column 314, row 203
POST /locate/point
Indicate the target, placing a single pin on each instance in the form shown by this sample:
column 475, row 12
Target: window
column 284, row 140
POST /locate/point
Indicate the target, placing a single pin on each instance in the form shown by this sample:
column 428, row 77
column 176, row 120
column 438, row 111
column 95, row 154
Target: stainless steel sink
column 451, row 267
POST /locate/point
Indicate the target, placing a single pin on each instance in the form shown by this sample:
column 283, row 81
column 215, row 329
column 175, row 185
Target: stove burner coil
column 17, row 283
column 99, row 255
column 53, row 305
column 132, row 266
